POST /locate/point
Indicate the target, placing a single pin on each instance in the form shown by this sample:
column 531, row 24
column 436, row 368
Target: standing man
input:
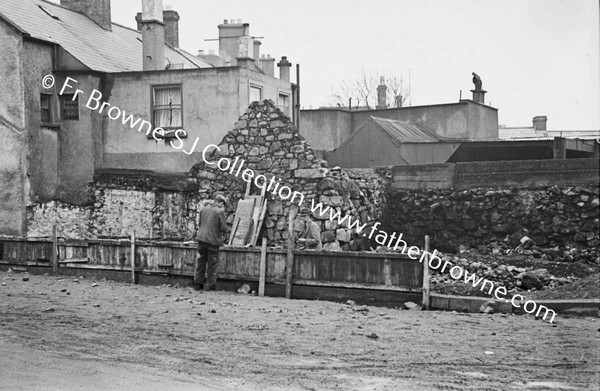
column 308, row 233
column 210, row 237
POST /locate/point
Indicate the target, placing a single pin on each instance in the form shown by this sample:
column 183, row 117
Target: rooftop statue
column 477, row 81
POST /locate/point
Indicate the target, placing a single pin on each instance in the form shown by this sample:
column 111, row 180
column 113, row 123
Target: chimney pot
column 225, row 21
column 200, row 52
column 382, row 94
column 284, row 69
column 138, row 20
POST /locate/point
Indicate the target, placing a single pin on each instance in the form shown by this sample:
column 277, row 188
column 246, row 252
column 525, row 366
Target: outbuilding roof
column 119, row 50
column 404, row 131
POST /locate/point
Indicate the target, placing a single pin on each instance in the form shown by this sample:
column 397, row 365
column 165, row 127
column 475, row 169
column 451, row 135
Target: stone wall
column 553, row 217
column 268, row 144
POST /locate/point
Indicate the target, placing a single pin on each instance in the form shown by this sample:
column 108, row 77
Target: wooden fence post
column 426, row 275
column 133, row 256
column 54, row 250
column 262, row 268
column 289, row 262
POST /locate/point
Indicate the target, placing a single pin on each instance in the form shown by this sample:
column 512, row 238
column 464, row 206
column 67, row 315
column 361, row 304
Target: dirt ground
column 61, row 333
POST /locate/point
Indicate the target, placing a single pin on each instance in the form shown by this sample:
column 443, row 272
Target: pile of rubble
column 530, row 276
column 562, row 222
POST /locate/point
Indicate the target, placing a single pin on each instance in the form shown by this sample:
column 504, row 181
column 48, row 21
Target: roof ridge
column 59, row 5
column 187, row 54
column 420, row 127
column 120, row 25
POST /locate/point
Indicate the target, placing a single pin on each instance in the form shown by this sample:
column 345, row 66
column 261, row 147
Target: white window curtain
column 167, row 107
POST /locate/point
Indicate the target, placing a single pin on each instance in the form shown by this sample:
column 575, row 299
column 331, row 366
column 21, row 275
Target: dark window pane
column 69, row 107
column 46, row 108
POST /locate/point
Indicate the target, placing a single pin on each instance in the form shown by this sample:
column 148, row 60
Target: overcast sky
column 535, row 57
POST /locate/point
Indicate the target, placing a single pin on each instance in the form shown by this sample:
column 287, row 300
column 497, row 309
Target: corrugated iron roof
column 119, row 50
column 405, row 132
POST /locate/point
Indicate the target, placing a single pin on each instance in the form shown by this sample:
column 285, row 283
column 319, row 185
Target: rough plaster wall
column 43, row 147
column 117, row 212
column 71, row 221
column 325, row 129
column 80, row 145
column 12, row 121
column 483, row 122
column 212, row 101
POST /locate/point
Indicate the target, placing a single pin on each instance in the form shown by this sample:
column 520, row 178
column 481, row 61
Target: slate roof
column 119, row 50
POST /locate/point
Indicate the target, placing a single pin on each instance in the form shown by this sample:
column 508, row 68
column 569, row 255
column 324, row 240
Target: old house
column 61, row 63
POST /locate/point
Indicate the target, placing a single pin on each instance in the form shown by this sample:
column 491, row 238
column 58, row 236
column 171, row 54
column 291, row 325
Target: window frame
column 169, row 132
column 289, row 97
column 50, row 119
column 65, row 100
column 257, row 86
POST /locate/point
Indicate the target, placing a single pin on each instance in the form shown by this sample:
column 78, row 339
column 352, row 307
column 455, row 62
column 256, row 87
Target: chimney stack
column 284, row 69
column 245, row 45
column 267, row 64
column 256, row 51
column 153, row 35
column 230, row 33
column 96, row 10
column 381, row 94
column 539, row 122
column 171, row 20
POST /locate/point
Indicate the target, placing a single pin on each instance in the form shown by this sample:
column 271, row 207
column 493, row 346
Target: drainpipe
column 297, row 105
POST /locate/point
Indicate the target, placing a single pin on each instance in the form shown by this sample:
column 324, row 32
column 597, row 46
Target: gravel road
column 65, row 333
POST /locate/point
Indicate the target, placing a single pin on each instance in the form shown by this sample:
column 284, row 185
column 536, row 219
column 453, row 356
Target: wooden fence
column 376, row 277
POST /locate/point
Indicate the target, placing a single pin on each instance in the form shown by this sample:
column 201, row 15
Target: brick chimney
column 171, row 22
column 539, row 122
column 381, row 94
column 96, row 10
column 153, row 35
column 284, row 69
